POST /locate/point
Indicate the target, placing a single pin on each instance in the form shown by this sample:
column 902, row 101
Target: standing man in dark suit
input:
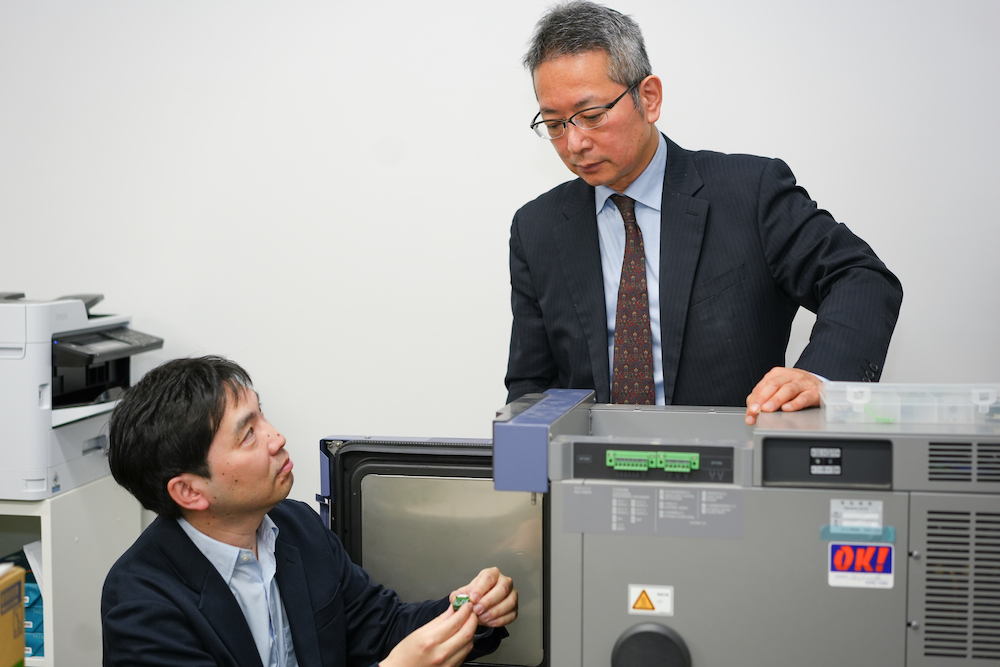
column 231, row 573
column 670, row 276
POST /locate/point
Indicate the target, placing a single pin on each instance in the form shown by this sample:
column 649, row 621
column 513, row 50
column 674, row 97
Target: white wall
column 323, row 190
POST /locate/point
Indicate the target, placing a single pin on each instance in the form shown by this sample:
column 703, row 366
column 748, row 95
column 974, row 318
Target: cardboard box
column 11, row 615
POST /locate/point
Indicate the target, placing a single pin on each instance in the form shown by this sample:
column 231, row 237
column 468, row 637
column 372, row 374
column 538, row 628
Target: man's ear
column 651, row 97
column 188, row 491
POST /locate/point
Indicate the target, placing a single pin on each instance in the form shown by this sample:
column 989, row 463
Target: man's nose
column 277, row 441
column 576, row 138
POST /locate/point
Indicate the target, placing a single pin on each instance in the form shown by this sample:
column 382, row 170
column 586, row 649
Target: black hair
column 165, row 424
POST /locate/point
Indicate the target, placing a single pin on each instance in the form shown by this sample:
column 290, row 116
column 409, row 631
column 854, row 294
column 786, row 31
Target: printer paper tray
column 62, row 416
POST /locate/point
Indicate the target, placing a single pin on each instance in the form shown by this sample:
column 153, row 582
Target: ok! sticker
column 861, row 565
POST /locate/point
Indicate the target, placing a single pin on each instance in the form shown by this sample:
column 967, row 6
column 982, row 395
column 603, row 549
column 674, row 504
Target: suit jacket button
column 874, row 367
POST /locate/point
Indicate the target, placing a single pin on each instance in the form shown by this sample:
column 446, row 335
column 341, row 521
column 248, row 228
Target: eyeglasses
column 587, row 119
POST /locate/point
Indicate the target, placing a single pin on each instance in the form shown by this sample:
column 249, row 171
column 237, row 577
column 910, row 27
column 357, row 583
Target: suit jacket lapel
column 216, row 602
column 682, row 228
column 580, row 258
column 294, row 591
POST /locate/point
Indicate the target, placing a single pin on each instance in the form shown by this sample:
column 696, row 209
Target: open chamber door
column 422, row 517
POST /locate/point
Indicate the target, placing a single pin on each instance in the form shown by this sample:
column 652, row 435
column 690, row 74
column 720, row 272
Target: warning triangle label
column 643, row 602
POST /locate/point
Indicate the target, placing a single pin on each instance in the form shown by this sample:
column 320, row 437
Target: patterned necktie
column 632, row 377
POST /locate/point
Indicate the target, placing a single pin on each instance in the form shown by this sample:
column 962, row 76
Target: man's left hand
column 788, row 389
column 493, row 597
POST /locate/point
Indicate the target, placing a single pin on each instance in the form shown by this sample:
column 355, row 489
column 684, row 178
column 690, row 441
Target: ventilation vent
column 964, row 462
column 962, row 603
column 988, row 462
column 950, row 462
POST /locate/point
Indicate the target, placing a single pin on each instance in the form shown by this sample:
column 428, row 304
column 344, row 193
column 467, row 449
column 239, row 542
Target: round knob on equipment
column 650, row 645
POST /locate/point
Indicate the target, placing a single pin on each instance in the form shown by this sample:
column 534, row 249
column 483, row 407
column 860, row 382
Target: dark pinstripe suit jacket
column 741, row 248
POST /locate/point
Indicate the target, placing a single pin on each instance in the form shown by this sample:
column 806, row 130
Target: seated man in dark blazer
column 232, row 573
column 668, row 276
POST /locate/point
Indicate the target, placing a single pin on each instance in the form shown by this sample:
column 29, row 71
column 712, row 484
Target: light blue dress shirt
column 647, row 191
column 255, row 589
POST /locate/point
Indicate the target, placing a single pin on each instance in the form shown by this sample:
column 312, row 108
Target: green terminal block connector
column 643, row 461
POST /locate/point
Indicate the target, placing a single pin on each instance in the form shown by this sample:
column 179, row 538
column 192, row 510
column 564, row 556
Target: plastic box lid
column 900, row 403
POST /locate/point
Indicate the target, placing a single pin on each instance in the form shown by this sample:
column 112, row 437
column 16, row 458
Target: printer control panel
column 95, row 347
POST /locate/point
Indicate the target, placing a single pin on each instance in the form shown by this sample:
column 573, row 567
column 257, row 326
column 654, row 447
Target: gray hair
column 579, row 27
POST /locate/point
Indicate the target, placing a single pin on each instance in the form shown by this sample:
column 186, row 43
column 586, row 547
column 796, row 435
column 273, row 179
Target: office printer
column 62, row 369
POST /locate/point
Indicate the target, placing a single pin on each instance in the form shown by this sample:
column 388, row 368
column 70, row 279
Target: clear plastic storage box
column 863, row 402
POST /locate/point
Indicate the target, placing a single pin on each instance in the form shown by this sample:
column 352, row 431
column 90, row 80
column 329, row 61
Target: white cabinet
column 83, row 532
